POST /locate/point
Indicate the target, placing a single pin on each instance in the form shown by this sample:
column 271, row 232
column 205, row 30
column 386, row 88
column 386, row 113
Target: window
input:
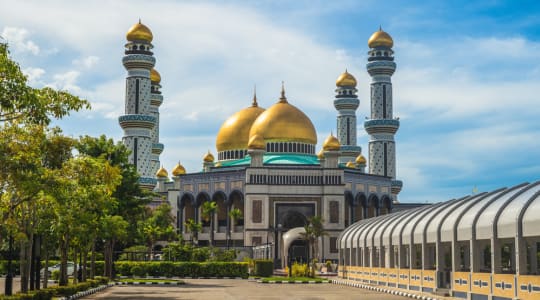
column 334, row 211
column 333, row 245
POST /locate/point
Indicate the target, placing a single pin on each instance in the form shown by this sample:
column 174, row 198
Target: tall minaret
column 138, row 123
column 155, row 101
column 382, row 126
column 346, row 103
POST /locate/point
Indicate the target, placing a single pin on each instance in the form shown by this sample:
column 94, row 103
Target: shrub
column 300, row 270
column 200, row 254
column 55, row 275
column 138, row 270
column 134, row 253
column 263, row 267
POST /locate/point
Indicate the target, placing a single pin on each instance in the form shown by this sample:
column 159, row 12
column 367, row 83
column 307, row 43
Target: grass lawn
column 292, row 279
column 150, row 280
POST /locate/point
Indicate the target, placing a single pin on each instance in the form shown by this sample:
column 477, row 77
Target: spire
column 254, row 103
column 283, row 99
column 139, row 20
column 380, row 27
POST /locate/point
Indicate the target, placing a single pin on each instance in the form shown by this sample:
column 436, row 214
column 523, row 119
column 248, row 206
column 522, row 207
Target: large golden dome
column 346, row 79
column 283, row 122
column 234, row 133
column 154, row 76
column 139, row 32
column 162, row 173
column 380, row 39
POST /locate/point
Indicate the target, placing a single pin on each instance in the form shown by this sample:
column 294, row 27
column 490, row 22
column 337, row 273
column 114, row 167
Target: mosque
column 483, row 246
column 267, row 162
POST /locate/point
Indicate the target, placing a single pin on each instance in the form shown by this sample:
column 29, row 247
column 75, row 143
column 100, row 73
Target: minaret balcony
column 157, row 148
column 137, row 121
column 381, row 67
column 156, row 99
column 138, row 61
column 381, row 126
column 346, row 103
column 396, row 186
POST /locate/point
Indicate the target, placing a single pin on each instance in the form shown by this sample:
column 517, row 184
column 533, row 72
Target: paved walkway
column 229, row 289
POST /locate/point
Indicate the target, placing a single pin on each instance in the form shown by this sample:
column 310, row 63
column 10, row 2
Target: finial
column 283, row 98
column 254, row 103
column 380, row 27
column 139, row 20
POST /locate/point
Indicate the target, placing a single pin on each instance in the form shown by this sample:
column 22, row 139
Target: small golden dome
column 178, row 170
column 162, row 173
column 350, row 165
column 380, row 39
column 283, row 122
column 139, row 32
column 208, row 157
column 346, row 79
column 331, row 143
column 234, row 133
column 154, row 76
column 256, row 142
column 361, row 160
column 217, row 165
column 320, row 154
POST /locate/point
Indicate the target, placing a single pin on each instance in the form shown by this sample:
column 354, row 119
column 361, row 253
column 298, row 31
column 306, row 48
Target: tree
column 113, row 229
column 22, row 103
column 194, row 228
column 235, row 214
column 209, row 208
column 158, row 226
column 313, row 231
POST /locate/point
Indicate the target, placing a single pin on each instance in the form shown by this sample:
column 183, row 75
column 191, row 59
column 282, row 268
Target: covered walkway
column 473, row 247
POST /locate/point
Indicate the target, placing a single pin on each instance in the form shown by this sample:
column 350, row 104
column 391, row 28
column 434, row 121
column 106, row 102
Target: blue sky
column 466, row 88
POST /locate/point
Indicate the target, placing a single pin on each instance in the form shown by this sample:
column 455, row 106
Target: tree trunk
column 64, row 244
column 84, row 259
column 93, row 260
column 75, row 266
column 46, row 273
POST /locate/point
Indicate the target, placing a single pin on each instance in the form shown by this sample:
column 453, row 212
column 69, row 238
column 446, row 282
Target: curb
column 149, row 283
column 188, row 277
column 385, row 290
column 87, row 292
column 292, row 282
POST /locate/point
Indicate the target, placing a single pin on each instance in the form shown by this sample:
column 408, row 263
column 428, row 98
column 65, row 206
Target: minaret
column 346, row 103
column 382, row 126
column 138, row 122
column 156, row 99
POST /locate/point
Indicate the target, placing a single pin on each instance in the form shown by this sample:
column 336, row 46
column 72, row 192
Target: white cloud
column 18, row 40
column 33, row 75
column 66, row 81
column 87, row 62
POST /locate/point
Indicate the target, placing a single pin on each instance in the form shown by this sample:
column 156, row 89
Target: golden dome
column 346, row 79
column 217, row 165
column 360, row 159
column 256, row 142
column 208, row 157
column 162, row 173
column 178, row 170
column 234, row 133
column 380, row 39
column 154, row 76
column 283, row 122
column 350, row 165
column 331, row 143
column 320, row 154
column 139, row 32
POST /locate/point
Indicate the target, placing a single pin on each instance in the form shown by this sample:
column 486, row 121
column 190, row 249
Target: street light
column 276, row 231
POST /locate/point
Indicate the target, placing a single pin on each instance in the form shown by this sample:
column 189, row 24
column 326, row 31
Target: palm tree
column 313, row 231
column 194, row 228
column 235, row 214
column 209, row 208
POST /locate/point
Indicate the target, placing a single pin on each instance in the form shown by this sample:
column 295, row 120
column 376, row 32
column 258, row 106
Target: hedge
column 58, row 291
column 100, row 266
column 181, row 269
column 263, row 267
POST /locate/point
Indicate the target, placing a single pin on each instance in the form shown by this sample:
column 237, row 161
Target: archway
column 386, row 205
column 221, row 200
column 186, row 210
column 349, row 209
column 360, row 202
column 373, row 206
column 293, row 219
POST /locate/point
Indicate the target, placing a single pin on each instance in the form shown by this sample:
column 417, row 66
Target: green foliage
column 182, row 269
column 200, row 254
column 55, row 274
column 58, row 291
column 235, row 214
column 263, row 267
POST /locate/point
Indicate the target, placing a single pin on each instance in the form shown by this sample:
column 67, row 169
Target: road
column 224, row 289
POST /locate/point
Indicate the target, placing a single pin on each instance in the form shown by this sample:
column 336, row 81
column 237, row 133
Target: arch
column 372, row 206
column 361, row 203
column 202, row 197
column 221, row 200
column 349, row 211
column 236, row 200
column 386, row 205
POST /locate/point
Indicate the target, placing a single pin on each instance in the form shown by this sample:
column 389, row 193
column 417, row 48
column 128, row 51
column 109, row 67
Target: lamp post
column 277, row 229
